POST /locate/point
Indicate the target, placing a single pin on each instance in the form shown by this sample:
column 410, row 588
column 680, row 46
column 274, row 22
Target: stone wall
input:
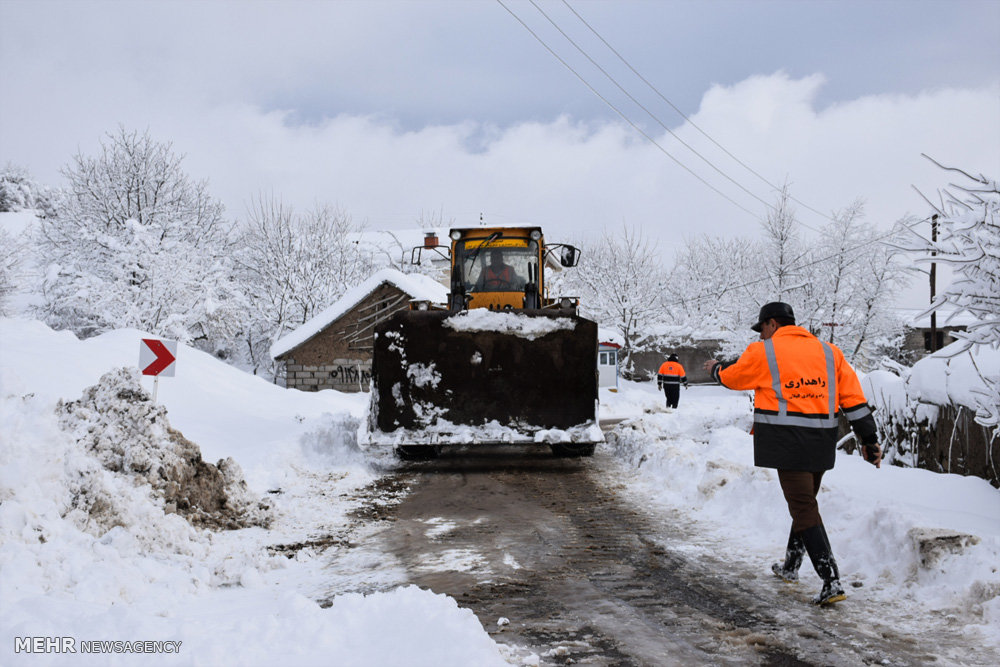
column 691, row 357
column 348, row 375
column 340, row 356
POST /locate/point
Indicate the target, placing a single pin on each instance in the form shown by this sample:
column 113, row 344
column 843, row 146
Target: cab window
column 500, row 266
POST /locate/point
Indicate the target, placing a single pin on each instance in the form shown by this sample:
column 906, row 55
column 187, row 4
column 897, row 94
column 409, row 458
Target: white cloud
column 577, row 176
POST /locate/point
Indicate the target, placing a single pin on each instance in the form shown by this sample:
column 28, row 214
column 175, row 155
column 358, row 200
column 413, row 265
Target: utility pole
column 934, row 229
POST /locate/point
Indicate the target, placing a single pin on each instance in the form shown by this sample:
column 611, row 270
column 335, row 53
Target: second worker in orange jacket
column 669, row 378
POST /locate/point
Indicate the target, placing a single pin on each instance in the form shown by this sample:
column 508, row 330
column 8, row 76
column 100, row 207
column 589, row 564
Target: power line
column 623, row 116
column 684, row 116
column 644, row 108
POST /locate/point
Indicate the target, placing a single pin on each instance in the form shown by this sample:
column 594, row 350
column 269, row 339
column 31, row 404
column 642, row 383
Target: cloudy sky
column 397, row 110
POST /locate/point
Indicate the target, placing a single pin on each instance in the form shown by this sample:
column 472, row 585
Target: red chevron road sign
column 157, row 357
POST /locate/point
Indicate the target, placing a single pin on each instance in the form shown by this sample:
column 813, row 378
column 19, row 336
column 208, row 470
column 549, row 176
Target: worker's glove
column 685, row 385
column 872, row 454
column 659, row 385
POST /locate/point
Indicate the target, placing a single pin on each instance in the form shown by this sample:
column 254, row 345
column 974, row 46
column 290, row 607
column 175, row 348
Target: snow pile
column 482, row 319
column 904, row 538
column 117, row 422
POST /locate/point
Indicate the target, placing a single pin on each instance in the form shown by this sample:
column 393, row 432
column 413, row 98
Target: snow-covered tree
column 621, row 280
column 782, row 252
column 711, row 284
column 968, row 221
column 292, row 266
column 137, row 243
column 840, row 283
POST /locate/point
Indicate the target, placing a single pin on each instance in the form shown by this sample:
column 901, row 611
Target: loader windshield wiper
column 485, row 242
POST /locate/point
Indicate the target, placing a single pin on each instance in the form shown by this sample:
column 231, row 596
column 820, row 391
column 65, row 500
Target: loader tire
column 574, row 449
column 416, row 452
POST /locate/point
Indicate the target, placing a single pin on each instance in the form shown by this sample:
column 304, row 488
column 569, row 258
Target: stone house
column 918, row 329
column 334, row 349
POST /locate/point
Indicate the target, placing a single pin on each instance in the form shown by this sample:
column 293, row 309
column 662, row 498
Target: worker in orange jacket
column 799, row 384
column 669, row 378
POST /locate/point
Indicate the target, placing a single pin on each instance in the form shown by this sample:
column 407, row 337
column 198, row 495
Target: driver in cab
column 498, row 276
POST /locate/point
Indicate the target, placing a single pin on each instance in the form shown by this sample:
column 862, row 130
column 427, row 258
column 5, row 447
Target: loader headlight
column 535, row 234
column 455, row 235
column 565, row 302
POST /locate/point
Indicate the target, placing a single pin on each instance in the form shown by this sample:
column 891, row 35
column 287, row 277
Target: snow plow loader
column 500, row 363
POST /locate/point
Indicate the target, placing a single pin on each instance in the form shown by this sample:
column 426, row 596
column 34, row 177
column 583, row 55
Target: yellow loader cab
column 501, row 362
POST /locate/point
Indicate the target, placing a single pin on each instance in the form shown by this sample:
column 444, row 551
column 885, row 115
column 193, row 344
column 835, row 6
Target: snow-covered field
column 90, row 552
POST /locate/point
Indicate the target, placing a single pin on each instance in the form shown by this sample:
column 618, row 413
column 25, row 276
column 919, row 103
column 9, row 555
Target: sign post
column 156, row 358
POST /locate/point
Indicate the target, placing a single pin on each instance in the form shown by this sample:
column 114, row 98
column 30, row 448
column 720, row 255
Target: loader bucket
column 480, row 376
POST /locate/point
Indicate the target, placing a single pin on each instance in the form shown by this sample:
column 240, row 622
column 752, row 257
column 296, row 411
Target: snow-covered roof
column 417, row 285
column 612, row 336
column 916, row 318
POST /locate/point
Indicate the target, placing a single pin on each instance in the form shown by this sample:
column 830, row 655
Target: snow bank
column 911, row 539
column 953, row 375
column 94, row 544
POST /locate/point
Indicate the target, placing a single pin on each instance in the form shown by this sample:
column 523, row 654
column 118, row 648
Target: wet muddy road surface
column 556, row 560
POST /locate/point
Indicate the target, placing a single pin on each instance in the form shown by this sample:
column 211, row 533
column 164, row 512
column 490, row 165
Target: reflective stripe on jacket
column 799, row 383
column 671, row 372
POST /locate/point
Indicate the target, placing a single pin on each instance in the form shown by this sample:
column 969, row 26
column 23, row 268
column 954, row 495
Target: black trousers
column 673, row 393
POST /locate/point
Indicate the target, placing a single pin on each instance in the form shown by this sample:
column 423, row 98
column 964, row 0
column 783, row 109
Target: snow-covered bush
column 925, row 414
column 18, row 191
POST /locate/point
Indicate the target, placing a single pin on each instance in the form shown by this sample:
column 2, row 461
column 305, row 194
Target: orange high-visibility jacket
column 670, row 372
column 799, row 384
column 495, row 279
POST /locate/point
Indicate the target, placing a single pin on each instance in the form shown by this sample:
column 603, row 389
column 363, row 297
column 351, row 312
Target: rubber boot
column 788, row 571
column 818, row 546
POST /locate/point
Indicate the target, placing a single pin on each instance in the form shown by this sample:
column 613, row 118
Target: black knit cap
column 773, row 309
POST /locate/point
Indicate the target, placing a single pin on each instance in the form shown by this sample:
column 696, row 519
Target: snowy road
column 558, row 548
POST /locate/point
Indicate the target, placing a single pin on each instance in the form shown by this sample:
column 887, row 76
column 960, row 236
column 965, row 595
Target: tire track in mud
column 586, row 578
